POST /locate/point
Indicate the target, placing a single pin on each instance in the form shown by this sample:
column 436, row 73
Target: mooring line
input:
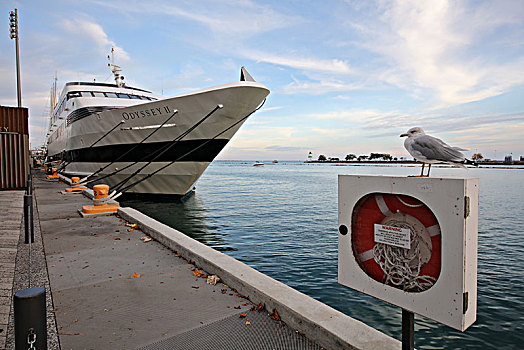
column 113, row 196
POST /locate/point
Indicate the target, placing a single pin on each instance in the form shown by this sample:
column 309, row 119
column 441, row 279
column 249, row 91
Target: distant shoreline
column 484, row 164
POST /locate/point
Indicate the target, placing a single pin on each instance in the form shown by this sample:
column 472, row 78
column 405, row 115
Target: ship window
column 74, row 94
column 110, row 94
column 135, row 97
column 98, row 94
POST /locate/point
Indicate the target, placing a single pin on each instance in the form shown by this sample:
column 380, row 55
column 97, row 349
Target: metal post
column 29, row 184
column 27, row 203
column 13, row 34
column 408, row 330
column 30, row 319
column 31, row 217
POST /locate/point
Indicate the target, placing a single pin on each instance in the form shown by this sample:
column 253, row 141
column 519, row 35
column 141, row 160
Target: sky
column 345, row 76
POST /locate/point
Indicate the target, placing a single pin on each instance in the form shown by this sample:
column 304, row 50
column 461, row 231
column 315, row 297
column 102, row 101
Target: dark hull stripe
column 83, row 112
column 207, row 151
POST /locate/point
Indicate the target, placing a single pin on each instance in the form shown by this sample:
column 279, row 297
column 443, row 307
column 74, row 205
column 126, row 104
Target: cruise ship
column 139, row 142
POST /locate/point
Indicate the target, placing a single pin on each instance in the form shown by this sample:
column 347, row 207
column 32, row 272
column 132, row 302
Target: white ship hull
column 85, row 143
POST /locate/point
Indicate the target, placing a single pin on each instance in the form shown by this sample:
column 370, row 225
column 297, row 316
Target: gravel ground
column 31, row 271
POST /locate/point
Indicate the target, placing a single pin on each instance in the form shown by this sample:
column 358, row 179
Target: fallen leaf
column 146, row 239
column 242, row 315
column 197, row 272
column 213, row 280
column 116, row 238
column 248, row 323
column 237, row 307
column 274, row 315
column 85, row 267
column 177, row 255
column 135, row 275
column 196, row 287
column 129, row 229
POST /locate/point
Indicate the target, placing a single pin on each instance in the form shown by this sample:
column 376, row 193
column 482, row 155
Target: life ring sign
column 411, row 242
column 396, row 240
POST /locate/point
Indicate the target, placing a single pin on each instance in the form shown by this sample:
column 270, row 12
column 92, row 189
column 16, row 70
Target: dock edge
column 321, row 323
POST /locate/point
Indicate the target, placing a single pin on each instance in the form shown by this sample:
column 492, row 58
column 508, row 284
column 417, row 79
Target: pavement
column 113, row 290
column 127, row 281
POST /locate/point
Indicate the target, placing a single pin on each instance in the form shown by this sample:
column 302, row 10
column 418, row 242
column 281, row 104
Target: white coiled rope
column 401, row 266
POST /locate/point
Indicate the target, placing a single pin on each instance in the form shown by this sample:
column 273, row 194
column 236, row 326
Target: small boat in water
column 257, row 163
column 144, row 143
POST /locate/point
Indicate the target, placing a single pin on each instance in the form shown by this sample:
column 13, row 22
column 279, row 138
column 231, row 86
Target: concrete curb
column 319, row 322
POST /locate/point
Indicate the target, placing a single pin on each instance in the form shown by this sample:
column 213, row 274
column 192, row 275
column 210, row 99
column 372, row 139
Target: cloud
column 95, row 33
column 320, row 87
column 268, row 109
column 435, row 45
column 336, row 66
column 284, row 148
column 266, row 133
column 230, row 18
column 367, row 116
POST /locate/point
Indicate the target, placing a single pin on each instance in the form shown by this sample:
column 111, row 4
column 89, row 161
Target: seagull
column 429, row 149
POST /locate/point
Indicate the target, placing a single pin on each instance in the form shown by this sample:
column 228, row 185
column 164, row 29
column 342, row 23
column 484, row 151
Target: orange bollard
column 55, row 174
column 75, row 188
column 100, row 207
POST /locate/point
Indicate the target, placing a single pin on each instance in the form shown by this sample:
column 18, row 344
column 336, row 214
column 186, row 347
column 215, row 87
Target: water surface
column 281, row 219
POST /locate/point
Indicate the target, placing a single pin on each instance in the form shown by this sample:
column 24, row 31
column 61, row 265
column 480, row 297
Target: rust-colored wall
column 14, row 119
column 14, row 147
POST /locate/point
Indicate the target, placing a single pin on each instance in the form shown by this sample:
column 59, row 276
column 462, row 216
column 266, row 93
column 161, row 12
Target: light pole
column 13, row 34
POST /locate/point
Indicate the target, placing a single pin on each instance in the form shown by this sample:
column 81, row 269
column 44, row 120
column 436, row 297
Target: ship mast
column 119, row 80
column 53, row 100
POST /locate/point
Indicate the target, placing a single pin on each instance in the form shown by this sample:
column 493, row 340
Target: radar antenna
column 119, row 80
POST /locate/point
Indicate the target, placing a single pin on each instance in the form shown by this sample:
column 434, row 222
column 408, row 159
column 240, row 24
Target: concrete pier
column 113, row 288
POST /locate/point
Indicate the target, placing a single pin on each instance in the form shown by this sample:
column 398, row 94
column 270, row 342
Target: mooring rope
column 83, row 181
column 122, row 190
column 62, row 167
column 157, row 154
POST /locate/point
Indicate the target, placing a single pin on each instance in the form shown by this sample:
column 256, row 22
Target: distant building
column 508, row 159
column 522, row 158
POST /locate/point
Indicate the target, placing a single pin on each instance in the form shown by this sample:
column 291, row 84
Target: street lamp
column 13, row 34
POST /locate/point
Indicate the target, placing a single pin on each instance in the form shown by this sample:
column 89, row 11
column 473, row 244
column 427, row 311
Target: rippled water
column 281, row 219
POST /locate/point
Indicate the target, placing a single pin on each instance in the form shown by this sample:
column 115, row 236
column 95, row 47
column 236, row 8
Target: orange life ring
column 405, row 210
